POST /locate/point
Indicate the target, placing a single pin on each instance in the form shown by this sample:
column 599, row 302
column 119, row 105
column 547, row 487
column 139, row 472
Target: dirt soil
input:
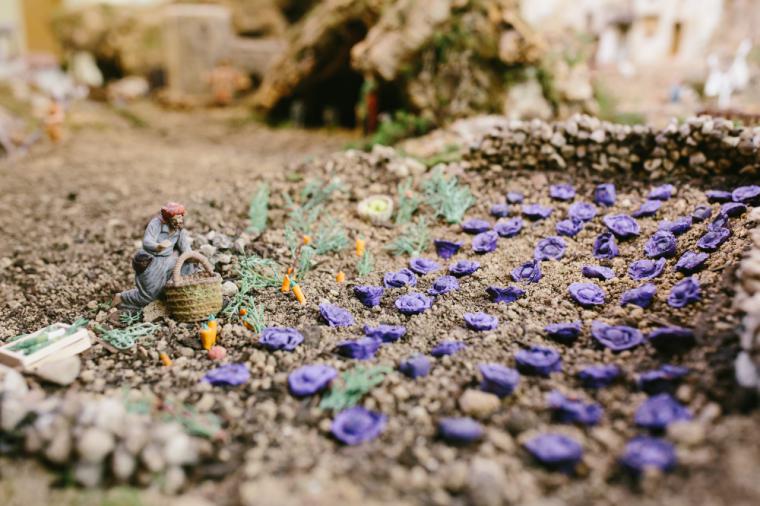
column 71, row 217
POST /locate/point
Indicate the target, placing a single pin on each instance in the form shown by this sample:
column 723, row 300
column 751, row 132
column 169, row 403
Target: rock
column 128, row 89
column 111, row 415
column 221, row 242
column 61, row 372
column 123, row 464
column 94, row 444
column 690, row 433
column 526, row 100
column 59, row 448
column 180, row 450
column 479, row 404
column 155, row 310
column 153, row 459
column 207, row 250
column 746, row 373
column 223, row 258
column 88, row 474
column 229, row 289
column 174, row 479
column 484, row 483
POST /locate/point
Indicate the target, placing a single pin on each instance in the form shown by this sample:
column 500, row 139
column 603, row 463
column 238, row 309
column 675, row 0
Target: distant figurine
column 226, row 81
column 164, row 241
column 54, row 122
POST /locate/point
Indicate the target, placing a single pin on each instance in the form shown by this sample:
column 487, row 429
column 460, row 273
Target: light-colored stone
column 690, row 433
column 155, row 310
column 94, row 445
column 479, row 404
column 123, row 464
column 229, row 289
column 61, row 372
column 88, row 474
column 59, row 448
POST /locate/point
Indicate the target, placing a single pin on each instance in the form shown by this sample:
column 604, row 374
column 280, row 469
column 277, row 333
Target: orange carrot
column 307, row 239
column 359, row 247
column 243, row 311
column 208, row 337
column 299, row 294
column 165, row 359
column 290, row 270
column 340, row 277
column 285, row 288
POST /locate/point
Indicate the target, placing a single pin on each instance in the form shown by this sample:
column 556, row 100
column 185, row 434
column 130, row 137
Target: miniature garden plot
column 546, row 322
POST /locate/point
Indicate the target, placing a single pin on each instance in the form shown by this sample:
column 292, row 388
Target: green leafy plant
column 355, row 384
column 401, row 125
column 414, row 240
column 448, row 199
column 123, row 339
column 44, row 338
column 330, row 238
column 366, row 264
column 408, row 202
column 255, row 315
column 259, row 209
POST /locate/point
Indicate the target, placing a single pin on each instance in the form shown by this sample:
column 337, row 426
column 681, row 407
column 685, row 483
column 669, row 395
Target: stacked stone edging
column 747, row 300
column 699, row 146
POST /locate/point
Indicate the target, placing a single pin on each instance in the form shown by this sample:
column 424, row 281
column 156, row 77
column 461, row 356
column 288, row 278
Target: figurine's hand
column 163, row 245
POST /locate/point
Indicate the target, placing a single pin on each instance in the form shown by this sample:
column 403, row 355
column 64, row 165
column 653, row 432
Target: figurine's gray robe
column 151, row 282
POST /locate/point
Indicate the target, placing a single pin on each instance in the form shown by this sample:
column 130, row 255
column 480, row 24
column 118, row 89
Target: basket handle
column 195, row 257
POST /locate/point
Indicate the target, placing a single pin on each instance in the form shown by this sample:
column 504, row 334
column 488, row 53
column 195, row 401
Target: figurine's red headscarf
column 170, row 210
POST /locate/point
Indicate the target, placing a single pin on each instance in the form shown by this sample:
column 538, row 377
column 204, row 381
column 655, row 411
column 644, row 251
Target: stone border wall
column 701, row 145
column 747, row 300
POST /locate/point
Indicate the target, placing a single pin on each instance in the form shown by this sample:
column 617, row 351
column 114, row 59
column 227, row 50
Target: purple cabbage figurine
column 713, row 239
column 562, row 192
column 536, row 211
column 335, row 316
column 661, row 244
column 605, row 246
column 569, row 227
column 565, row 333
column 360, row 349
column 538, row 360
column 598, row 376
column 570, row 410
column 701, row 213
column 604, row 194
column 506, row 295
column 463, row 268
column 690, row 262
column 475, row 226
column 498, row 379
column 514, row 197
column 582, row 211
column 684, row 292
column 555, row 451
column 229, row 375
column 586, row 294
column 648, row 208
column 718, row 196
column 385, row 333
column 550, row 248
column 415, row 367
column 356, row 425
column 443, row 284
column 499, row 210
column 616, row 337
column 659, row 411
column 661, row 380
column 529, row 272
column 399, row 279
column 369, row 295
column 646, row 269
column 643, row 452
column 485, row 242
column 509, row 228
column 310, row 379
column 413, row 303
column 622, row 225
column 280, row 338
column 733, row 209
column 481, row 321
column 746, row 194
column 676, row 227
column 446, row 249
column 459, row 431
column 641, row 296
column 662, row 192
column 423, row 266
column 447, row 348
column 597, row 272
column 671, row 339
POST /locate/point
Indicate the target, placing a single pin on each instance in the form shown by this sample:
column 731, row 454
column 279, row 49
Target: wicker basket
column 195, row 297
